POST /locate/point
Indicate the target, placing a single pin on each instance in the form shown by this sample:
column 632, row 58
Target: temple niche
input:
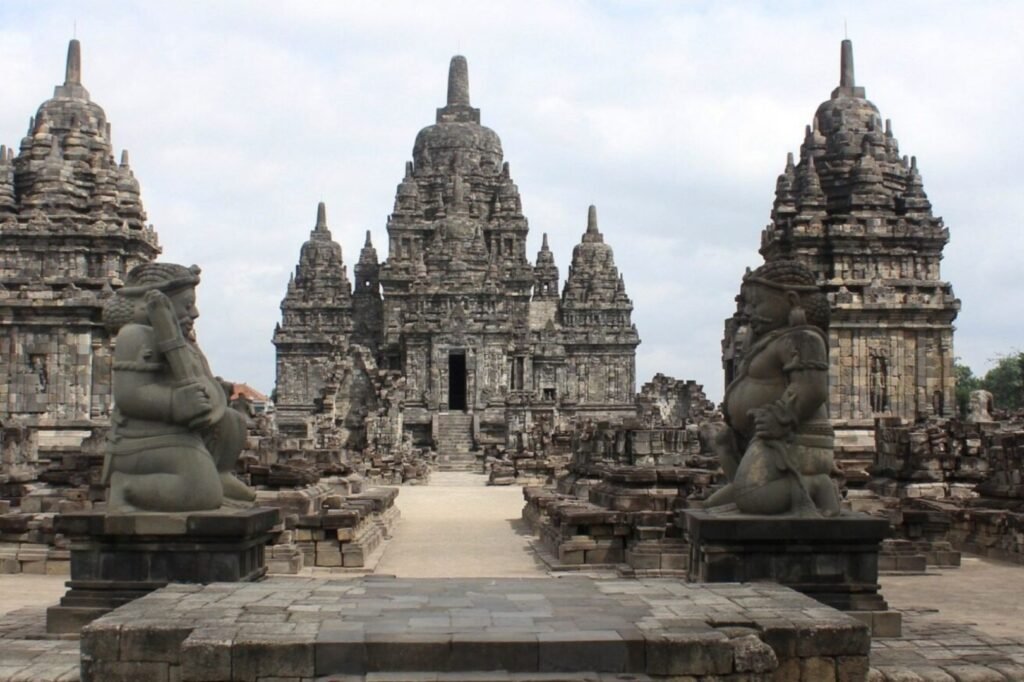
column 480, row 334
column 71, row 225
column 854, row 211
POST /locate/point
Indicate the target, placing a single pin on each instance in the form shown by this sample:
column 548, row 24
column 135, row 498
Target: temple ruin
column 71, row 226
column 480, row 334
column 855, row 212
column 458, row 352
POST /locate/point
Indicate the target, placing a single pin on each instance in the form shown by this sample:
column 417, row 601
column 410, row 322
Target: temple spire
column 458, row 82
column 544, row 243
column 846, row 77
column 321, row 216
column 73, row 70
column 368, row 243
column 592, row 220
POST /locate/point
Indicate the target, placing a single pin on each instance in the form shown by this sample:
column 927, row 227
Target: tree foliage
column 1005, row 381
column 965, row 383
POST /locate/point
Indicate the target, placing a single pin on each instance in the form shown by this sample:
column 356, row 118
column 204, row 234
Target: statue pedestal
column 833, row 560
column 116, row 558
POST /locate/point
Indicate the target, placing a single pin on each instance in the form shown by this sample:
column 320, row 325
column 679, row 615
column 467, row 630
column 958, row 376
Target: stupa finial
column 458, row 82
column 321, row 216
column 73, row 70
column 846, row 77
column 592, row 220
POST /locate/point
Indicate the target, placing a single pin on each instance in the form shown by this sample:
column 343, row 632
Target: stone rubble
column 617, row 504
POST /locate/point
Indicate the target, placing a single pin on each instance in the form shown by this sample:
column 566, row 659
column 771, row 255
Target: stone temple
column 71, row 225
column 481, row 335
column 855, row 212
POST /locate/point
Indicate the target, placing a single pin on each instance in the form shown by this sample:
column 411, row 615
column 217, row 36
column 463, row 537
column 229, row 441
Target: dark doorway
column 457, row 381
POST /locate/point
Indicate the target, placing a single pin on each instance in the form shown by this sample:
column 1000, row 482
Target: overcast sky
column 674, row 118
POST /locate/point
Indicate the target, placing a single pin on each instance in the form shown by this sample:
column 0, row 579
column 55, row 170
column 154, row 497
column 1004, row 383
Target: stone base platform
column 571, row 628
column 833, row 560
column 117, row 558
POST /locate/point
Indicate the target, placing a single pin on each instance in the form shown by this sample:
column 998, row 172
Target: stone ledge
column 435, row 627
column 241, row 523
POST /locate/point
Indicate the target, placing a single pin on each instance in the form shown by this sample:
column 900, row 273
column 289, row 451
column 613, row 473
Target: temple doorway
column 457, row 381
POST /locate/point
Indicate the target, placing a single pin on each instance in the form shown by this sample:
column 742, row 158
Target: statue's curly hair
column 119, row 310
column 166, row 277
column 791, row 275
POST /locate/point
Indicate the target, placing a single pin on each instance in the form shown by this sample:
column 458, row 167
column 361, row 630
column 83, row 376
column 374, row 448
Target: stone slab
column 385, row 626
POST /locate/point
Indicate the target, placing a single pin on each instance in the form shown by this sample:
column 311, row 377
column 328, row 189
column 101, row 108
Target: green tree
column 965, row 383
column 1006, row 381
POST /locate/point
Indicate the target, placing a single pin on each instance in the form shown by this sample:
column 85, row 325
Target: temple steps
column 454, row 442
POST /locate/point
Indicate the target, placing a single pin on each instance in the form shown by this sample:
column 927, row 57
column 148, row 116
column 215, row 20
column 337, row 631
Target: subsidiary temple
column 855, row 212
column 71, row 227
column 207, row 532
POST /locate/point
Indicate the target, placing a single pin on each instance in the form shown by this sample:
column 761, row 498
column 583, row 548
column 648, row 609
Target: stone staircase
column 454, row 442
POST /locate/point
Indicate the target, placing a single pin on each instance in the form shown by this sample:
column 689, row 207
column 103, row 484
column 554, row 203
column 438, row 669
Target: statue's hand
column 155, row 298
column 189, row 401
column 768, row 425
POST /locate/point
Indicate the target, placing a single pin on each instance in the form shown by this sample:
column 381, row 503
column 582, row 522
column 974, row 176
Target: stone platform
column 833, row 560
column 116, row 558
column 568, row 628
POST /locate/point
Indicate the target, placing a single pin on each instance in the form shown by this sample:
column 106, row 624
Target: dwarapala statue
column 173, row 441
column 979, row 407
column 776, row 445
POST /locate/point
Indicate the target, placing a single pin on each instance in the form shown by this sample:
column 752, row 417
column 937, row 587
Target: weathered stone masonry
column 855, row 211
column 71, row 223
column 480, row 334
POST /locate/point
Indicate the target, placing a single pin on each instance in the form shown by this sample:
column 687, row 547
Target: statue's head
column 783, row 293
column 176, row 281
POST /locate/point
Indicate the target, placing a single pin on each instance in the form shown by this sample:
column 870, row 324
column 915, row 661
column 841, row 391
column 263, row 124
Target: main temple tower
column 456, row 281
column 481, row 336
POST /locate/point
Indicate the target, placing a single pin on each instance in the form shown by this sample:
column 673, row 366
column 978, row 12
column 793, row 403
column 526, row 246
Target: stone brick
column 206, row 656
column 698, row 653
column 272, row 655
column 125, row 671
column 817, row 669
column 851, row 668
column 153, row 642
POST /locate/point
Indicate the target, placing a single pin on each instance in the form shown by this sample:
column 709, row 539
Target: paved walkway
column 21, row 590
column 986, row 593
column 458, row 527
